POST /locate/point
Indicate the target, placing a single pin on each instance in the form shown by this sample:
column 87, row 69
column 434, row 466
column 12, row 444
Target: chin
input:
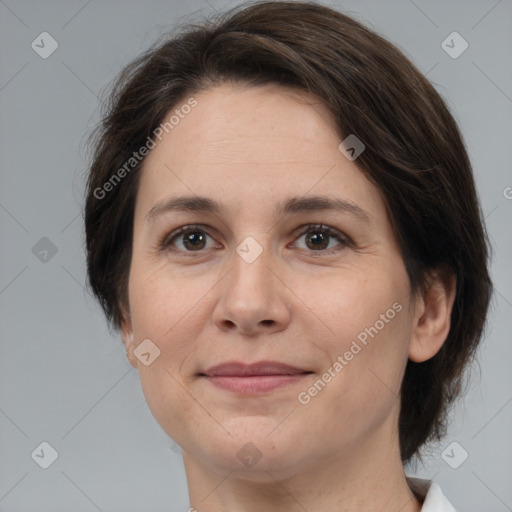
column 258, row 449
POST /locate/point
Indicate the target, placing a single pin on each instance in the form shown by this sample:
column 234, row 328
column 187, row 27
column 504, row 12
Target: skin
column 250, row 148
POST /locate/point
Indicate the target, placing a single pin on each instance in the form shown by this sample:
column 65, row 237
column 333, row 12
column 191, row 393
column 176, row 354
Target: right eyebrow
column 186, row 204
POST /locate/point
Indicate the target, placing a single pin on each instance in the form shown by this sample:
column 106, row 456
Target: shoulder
column 430, row 492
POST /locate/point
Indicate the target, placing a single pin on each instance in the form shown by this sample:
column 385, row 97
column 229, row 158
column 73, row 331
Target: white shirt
column 433, row 498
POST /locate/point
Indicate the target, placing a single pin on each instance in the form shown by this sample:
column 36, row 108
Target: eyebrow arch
column 293, row 205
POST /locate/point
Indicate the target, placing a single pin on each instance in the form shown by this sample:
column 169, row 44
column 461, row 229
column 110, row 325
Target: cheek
column 161, row 301
column 364, row 325
column 352, row 303
column 361, row 385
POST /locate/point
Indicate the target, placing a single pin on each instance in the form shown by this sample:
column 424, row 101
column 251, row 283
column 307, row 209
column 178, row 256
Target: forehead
column 249, row 146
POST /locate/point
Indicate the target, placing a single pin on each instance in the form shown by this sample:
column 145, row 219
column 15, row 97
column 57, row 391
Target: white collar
column 429, row 491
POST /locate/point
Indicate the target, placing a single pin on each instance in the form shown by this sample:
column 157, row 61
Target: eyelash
column 165, row 242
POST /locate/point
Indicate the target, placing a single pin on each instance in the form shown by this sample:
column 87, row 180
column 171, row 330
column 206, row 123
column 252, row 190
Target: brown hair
column 414, row 154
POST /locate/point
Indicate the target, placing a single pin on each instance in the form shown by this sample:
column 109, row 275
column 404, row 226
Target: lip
column 256, row 378
column 238, row 369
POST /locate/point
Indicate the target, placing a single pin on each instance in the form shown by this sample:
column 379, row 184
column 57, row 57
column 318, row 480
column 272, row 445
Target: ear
column 128, row 340
column 432, row 317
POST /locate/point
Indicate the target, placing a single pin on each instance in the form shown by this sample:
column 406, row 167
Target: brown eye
column 319, row 237
column 194, row 240
column 187, row 239
column 318, row 240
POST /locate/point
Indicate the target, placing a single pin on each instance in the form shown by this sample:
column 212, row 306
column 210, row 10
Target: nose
column 252, row 298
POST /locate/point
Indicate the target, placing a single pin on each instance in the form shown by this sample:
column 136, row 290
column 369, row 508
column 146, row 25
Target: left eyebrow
column 291, row 206
column 295, row 205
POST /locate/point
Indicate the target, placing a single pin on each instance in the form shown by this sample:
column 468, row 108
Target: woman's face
column 251, row 283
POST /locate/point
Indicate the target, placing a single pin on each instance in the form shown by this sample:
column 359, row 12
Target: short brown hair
column 414, row 154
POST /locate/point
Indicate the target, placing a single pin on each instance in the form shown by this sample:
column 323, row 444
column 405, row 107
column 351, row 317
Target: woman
column 282, row 222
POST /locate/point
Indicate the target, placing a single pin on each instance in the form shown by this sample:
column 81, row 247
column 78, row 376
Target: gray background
column 65, row 380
